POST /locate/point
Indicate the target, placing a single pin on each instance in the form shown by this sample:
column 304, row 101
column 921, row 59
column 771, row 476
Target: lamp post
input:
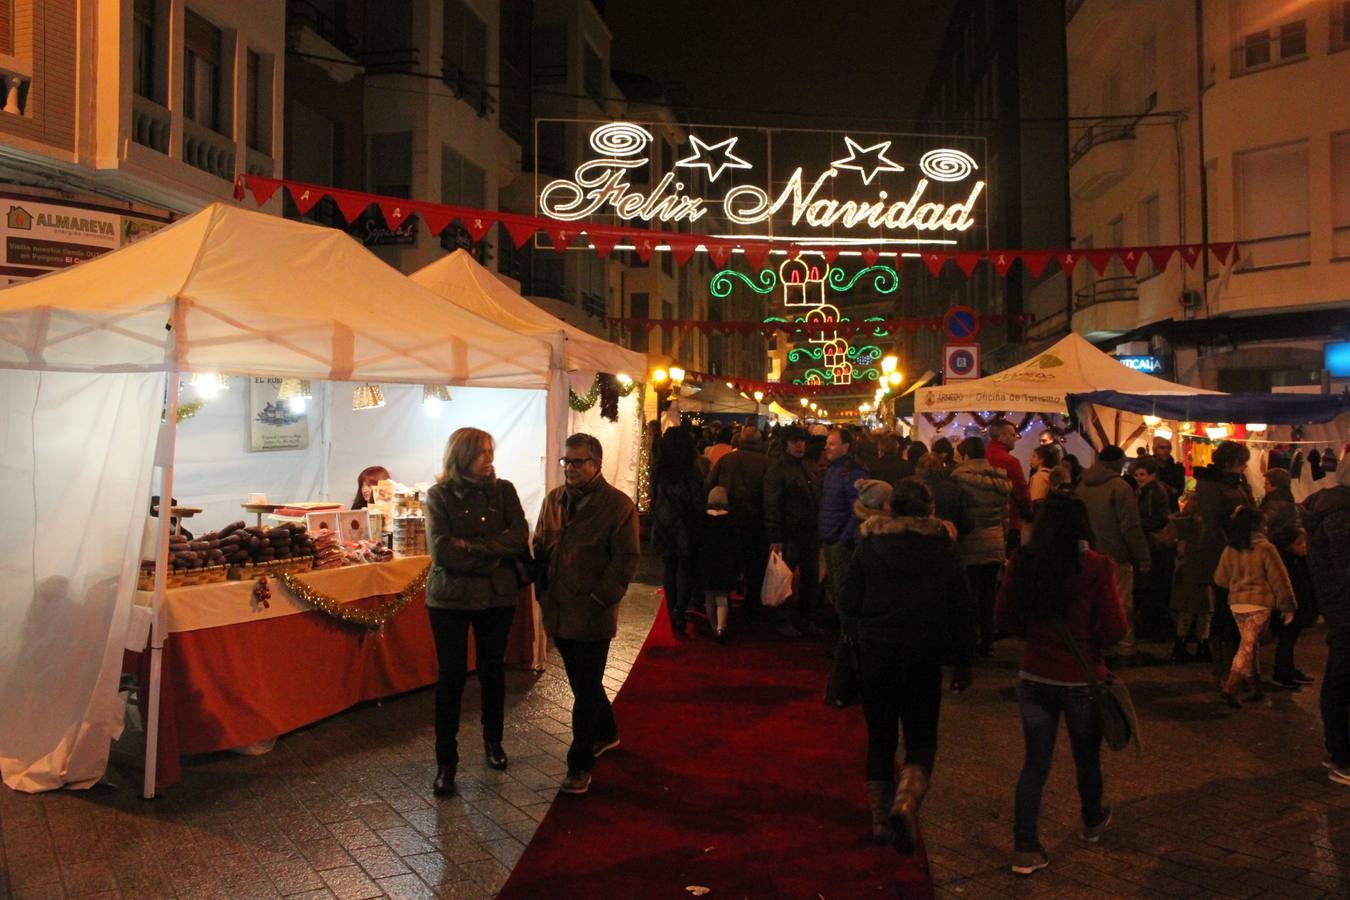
column 759, row 398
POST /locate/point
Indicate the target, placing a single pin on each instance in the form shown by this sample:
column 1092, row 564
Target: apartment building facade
column 1214, row 122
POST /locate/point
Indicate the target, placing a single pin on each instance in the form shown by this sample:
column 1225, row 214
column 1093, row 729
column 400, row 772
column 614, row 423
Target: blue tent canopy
column 1272, row 409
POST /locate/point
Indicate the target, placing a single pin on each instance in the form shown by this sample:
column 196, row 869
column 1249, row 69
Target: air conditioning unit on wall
column 1191, row 299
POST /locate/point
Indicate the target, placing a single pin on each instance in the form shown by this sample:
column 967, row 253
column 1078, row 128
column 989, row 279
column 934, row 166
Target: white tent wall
column 77, row 451
column 963, row 424
column 214, row 469
column 621, row 440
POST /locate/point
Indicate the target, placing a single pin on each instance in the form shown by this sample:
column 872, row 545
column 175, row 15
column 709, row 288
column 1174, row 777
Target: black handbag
column 1110, row 701
column 845, row 685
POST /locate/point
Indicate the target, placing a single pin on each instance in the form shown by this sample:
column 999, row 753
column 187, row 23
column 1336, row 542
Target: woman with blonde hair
column 477, row 536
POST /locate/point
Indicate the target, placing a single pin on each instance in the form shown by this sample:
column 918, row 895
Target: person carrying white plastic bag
column 777, row 580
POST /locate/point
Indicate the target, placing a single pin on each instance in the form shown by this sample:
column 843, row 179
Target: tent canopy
column 1044, row 383
column 460, row 279
column 1272, row 409
column 716, row 397
column 247, row 292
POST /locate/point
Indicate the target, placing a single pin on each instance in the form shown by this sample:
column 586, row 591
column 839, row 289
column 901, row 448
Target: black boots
column 444, row 785
column 880, row 796
column 494, row 755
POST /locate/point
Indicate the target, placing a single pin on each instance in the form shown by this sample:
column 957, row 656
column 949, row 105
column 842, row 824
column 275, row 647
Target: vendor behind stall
column 365, row 485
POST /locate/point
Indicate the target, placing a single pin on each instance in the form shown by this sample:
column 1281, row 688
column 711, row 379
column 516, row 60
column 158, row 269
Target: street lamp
column 759, row 398
column 659, row 376
column 806, row 401
column 889, row 363
column 677, row 375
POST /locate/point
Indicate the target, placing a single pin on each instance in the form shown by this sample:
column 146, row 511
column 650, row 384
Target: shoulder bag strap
column 1077, row 652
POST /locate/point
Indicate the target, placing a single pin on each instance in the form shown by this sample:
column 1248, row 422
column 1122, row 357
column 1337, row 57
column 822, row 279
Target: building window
column 1340, row 192
column 1272, row 205
column 389, row 164
column 1265, row 38
column 550, row 55
column 667, row 331
column 202, row 81
column 592, row 73
column 462, row 183
column 464, row 55
column 1150, row 232
column 389, row 38
column 143, row 80
column 639, row 307
column 258, row 121
column 1340, row 25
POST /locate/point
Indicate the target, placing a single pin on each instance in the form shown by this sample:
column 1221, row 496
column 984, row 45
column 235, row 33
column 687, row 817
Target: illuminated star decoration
column 704, row 156
column 868, row 161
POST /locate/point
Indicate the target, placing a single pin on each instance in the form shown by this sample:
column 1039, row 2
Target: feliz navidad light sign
column 826, row 187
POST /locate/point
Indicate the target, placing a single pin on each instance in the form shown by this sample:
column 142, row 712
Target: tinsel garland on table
column 370, row 619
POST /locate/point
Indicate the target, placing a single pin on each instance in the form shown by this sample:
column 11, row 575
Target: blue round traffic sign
column 961, row 322
column 961, row 362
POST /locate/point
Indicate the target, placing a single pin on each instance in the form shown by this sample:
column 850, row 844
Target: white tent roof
column 248, row 293
column 1042, row 383
column 461, row 280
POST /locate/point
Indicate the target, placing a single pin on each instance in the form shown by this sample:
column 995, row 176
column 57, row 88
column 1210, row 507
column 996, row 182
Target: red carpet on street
column 733, row 775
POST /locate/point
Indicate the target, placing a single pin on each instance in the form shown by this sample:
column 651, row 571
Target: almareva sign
column 870, row 190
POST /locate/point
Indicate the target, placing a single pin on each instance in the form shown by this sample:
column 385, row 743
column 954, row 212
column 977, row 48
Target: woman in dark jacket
column 1057, row 590
column 907, row 593
column 677, row 505
column 949, row 500
column 477, row 534
column 1285, row 532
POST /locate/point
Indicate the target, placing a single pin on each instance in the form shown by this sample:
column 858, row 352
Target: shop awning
column 1271, row 409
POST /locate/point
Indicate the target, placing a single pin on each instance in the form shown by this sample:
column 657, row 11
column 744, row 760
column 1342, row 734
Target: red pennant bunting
column 1160, row 257
column 478, row 224
column 1099, row 259
column 1224, row 252
column 935, row 262
column 350, row 205
column 1130, row 258
column 1035, row 263
column 717, row 252
column 262, row 188
column 239, row 187
column 1068, row 260
column 603, row 241
column 520, row 228
column 681, row 248
column 968, row 262
column 830, row 254
column 435, row 218
column 756, row 255
column 560, row 237
column 1002, row 261
column 645, row 246
column 1191, row 253
column 394, row 211
column 304, row 197
column 870, row 256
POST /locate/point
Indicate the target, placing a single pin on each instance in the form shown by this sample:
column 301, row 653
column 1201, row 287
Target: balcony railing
column 206, row 150
column 468, row 87
column 1274, row 252
column 303, row 14
column 1103, row 131
column 258, row 163
column 1106, row 290
column 386, row 62
column 149, row 124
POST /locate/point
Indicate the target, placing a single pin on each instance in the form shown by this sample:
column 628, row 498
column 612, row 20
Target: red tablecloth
column 238, row 684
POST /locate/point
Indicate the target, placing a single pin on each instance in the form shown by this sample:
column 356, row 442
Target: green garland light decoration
column 582, row 404
column 887, row 280
column 188, row 410
column 878, row 331
column 349, row 614
column 797, row 353
column 721, row 284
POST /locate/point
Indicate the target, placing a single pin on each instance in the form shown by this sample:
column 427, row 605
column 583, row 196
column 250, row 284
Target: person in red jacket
column 1058, row 588
column 1002, row 440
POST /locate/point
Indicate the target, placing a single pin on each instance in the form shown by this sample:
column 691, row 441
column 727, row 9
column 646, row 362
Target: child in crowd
column 1251, row 571
column 716, row 561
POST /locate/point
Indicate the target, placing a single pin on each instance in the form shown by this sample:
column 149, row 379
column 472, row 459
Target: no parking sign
column 960, row 362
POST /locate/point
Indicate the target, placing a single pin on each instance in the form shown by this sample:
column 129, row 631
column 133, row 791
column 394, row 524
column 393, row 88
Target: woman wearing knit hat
column 874, row 499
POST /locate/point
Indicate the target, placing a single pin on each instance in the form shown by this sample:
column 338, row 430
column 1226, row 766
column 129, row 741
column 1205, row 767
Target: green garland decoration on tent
column 584, row 403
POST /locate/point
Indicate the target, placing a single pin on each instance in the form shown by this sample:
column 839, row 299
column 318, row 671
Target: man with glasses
column 586, row 549
column 1171, row 473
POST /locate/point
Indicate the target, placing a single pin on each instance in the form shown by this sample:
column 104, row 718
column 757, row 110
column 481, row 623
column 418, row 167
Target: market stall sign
column 1150, row 364
column 898, row 185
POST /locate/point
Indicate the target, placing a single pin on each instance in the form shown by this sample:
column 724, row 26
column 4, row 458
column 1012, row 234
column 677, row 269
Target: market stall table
column 235, row 673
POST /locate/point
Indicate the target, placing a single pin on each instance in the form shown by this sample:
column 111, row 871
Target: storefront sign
column 1150, row 364
column 40, row 237
column 896, row 186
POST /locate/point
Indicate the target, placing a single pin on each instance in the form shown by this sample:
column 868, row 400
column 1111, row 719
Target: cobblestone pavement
column 1222, row 803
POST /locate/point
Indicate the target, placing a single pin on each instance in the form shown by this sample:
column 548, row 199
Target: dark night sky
column 795, row 63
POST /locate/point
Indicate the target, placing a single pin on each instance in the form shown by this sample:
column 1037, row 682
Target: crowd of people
column 918, row 558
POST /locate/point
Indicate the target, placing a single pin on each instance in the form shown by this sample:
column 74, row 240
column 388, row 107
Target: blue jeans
column 1041, row 706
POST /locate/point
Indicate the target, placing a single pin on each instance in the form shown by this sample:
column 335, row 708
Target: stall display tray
column 180, row 577
column 249, row 571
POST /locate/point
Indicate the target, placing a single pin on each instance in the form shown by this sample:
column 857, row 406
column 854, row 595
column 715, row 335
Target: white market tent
column 88, row 356
column 578, row 357
column 1041, row 384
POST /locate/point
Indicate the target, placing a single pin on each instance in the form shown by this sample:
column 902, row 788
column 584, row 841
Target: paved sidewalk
column 1222, row 803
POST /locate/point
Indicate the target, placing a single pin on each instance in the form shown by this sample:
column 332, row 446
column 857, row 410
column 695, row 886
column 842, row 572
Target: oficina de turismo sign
column 807, row 187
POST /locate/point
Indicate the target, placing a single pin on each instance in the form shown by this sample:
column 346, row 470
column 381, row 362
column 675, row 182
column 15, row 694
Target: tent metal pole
column 170, row 431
